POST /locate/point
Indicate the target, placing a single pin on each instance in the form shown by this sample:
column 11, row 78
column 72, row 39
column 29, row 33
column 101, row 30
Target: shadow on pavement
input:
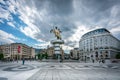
column 2, row 78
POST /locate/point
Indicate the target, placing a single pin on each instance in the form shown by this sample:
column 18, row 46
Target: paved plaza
column 33, row 70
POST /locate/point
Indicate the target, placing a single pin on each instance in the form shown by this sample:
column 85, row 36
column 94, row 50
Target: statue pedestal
column 57, row 50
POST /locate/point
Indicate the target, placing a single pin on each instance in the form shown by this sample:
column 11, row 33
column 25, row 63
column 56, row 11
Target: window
column 106, row 56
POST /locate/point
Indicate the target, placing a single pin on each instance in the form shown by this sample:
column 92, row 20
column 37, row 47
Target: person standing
column 23, row 61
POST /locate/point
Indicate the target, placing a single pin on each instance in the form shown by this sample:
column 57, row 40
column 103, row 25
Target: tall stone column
column 57, row 50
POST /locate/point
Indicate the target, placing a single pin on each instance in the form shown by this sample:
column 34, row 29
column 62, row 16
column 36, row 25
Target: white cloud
column 66, row 47
column 23, row 39
column 12, row 6
column 42, row 45
column 115, row 30
column 1, row 1
column 115, row 11
column 30, row 31
column 1, row 21
column 46, row 44
column 74, row 38
column 6, row 37
column 113, row 22
column 81, row 29
column 5, row 14
column 28, row 15
column 37, row 17
column 11, row 24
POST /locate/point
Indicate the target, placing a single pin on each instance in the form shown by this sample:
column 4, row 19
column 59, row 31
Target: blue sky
column 29, row 21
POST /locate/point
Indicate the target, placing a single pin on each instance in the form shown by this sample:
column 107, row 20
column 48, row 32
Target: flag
column 19, row 48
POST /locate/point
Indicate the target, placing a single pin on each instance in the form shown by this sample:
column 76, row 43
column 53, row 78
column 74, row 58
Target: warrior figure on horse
column 57, row 32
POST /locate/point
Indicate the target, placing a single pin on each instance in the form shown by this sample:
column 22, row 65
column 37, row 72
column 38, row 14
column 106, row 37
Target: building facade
column 51, row 52
column 98, row 44
column 10, row 51
column 74, row 53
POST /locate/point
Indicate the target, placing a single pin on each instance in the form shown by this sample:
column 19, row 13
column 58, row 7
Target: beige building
column 1, row 49
column 74, row 53
column 10, row 51
column 5, row 50
column 32, row 55
column 50, row 52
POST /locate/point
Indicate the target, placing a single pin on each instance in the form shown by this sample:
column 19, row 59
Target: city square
column 59, row 39
column 34, row 70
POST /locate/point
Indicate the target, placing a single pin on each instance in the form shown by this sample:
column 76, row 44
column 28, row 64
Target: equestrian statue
column 57, row 32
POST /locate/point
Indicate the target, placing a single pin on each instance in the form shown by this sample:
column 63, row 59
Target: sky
column 30, row 21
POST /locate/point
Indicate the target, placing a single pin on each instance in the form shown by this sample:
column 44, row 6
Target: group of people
column 16, row 60
column 100, row 61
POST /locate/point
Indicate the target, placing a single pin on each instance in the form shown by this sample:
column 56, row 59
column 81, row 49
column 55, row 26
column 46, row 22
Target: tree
column 42, row 55
column 118, row 56
column 46, row 55
column 39, row 56
column 1, row 56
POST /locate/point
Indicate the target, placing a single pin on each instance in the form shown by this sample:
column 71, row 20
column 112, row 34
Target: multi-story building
column 32, row 53
column 74, row 53
column 10, row 51
column 1, row 51
column 6, row 50
column 99, row 44
column 50, row 52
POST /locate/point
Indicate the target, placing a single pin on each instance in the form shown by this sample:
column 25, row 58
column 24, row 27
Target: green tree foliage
column 42, row 56
column 46, row 55
column 39, row 56
column 1, row 56
column 118, row 56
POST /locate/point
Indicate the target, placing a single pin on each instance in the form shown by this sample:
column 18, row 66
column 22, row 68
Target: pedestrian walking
column 93, row 60
column 23, row 61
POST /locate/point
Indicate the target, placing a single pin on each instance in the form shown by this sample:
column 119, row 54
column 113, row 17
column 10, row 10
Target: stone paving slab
column 59, row 71
column 70, row 72
column 58, row 74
